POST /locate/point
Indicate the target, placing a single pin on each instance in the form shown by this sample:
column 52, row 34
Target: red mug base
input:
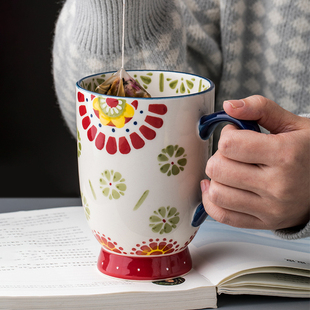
column 146, row 267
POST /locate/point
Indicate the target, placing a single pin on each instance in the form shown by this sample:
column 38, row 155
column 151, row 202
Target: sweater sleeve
column 159, row 34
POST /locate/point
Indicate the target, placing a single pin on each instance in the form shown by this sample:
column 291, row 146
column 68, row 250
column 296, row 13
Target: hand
column 260, row 181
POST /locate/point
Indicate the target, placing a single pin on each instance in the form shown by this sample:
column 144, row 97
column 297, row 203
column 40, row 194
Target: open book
column 48, row 261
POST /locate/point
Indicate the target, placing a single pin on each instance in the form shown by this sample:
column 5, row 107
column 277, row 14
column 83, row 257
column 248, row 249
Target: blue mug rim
column 212, row 86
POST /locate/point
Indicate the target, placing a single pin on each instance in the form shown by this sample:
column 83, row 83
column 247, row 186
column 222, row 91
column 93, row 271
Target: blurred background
column 37, row 153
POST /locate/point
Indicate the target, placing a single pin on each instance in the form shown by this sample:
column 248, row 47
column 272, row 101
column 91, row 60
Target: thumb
column 266, row 112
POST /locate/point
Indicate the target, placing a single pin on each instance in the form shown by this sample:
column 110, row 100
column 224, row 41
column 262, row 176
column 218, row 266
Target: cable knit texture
column 245, row 47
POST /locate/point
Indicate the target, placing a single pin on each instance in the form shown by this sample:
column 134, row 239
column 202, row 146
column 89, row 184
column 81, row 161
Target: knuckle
column 217, row 213
column 261, row 104
column 213, row 209
column 228, row 141
column 288, row 157
column 276, row 190
column 210, row 169
column 222, row 217
column 214, row 194
column 280, row 194
column 225, row 141
column 262, row 100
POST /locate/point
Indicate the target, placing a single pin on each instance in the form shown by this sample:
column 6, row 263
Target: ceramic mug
column 140, row 163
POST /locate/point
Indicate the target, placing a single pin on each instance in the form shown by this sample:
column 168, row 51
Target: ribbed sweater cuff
column 98, row 24
column 294, row 232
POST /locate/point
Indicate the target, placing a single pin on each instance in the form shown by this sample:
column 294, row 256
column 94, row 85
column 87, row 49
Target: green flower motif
column 172, row 160
column 85, row 207
column 112, row 184
column 164, row 220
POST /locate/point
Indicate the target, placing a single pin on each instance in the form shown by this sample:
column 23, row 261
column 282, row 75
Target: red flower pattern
column 133, row 135
column 156, row 247
column 107, row 243
column 152, row 247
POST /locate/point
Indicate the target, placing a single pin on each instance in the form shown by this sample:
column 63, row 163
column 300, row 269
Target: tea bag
column 121, row 84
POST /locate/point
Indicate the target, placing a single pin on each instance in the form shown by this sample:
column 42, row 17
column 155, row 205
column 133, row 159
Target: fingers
column 234, row 173
column 247, row 146
column 233, row 199
column 246, row 210
column 266, row 112
column 260, row 181
column 233, row 214
column 252, row 147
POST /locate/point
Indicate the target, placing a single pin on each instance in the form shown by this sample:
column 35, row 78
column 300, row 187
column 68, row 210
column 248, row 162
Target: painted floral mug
column 140, row 162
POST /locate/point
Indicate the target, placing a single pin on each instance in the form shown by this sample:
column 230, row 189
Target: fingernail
column 235, row 104
column 203, row 185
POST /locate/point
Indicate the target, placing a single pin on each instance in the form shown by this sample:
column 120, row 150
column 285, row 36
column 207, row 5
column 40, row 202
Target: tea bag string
column 123, row 37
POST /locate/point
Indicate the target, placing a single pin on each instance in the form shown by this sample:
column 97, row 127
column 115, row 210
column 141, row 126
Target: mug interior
column 157, row 83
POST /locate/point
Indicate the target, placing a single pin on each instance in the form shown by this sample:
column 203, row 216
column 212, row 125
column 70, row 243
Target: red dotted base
column 146, row 267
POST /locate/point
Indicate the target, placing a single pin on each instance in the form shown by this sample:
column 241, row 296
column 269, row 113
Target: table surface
column 228, row 302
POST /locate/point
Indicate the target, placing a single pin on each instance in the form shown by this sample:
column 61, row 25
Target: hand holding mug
column 140, row 164
column 260, row 181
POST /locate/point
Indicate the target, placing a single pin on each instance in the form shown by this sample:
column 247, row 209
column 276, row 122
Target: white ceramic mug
column 141, row 161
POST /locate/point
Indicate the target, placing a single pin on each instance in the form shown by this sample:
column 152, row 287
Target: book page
column 265, row 291
column 53, row 252
column 221, row 251
column 272, row 279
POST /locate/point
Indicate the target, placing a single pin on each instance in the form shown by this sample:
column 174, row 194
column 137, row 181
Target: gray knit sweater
column 245, row 46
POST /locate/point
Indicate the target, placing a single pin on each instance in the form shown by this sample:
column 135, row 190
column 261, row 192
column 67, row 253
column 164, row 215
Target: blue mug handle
column 207, row 125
